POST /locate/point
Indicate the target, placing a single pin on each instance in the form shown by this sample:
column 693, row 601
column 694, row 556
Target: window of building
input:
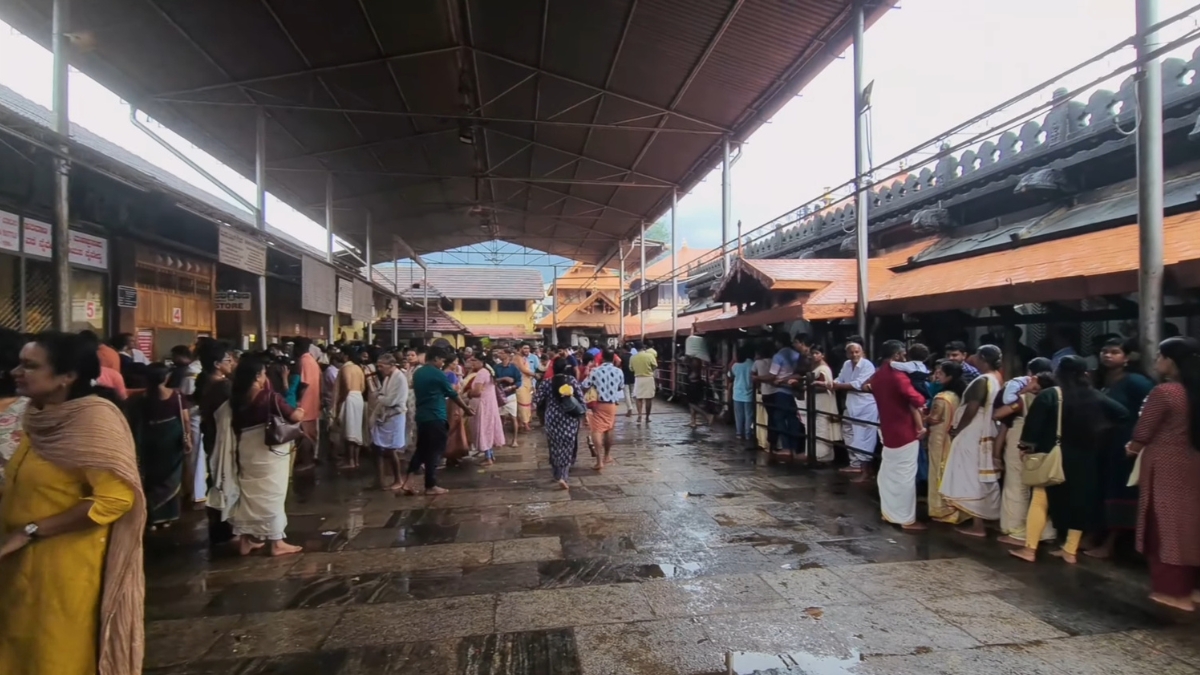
column 476, row 305
column 511, row 305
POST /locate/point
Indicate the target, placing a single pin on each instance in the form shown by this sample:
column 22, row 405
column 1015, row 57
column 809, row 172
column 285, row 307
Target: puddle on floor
column 791, row 663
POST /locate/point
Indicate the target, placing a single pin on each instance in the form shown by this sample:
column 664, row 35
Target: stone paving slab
column 685, row 549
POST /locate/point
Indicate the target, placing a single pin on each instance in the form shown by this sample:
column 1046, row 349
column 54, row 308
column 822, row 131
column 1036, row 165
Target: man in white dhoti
column 348, row 407
column 388, row 420
column 971, row 480
column 859, row 429
column 899, row 405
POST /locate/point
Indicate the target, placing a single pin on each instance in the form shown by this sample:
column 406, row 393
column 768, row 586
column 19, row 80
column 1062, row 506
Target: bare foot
column 861, row 478
column 599, row 467
column 281, row 547
column 436, row 491
column 562, row 485
column 513, row 445
column 345, row 465
column 849, row 471
column 488, row 463
column 914, row 527
column 972, row 532
column 1011, row 541
column 1068, row 558
column 1182, row 604
column 1026, row 554
column 1100, row 552
column 395, row 487
column 246, row 545
column 609, row 460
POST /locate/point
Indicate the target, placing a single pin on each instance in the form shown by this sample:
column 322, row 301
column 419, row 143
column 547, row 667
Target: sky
column 935, row 64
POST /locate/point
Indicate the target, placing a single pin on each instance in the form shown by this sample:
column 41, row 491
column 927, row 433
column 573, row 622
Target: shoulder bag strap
column 1058, row 429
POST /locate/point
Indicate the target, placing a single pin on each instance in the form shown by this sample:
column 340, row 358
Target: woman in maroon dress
column 1168, row 432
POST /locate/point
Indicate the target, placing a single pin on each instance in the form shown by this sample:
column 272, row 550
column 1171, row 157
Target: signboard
column 145, row 343
column 88, row 250
column 10, row 231
column 232, row 301
column 364, row 302
column 238, row 250
column 345, row 296
column 176, row 315
column 127, row 297
column 318, row 286
column 38, row 238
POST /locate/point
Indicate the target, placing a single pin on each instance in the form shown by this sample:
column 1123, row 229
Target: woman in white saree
column 861, row 429
column 971, row 480
column 250, row 481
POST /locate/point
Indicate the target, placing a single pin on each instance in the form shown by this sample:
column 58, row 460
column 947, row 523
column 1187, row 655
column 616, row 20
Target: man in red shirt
column 900, row 406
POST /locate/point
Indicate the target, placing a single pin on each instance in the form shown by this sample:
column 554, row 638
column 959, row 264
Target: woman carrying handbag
column 1060, row 446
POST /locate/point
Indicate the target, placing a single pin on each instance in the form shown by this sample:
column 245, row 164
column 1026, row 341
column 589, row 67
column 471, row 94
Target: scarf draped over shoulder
column 91, row 433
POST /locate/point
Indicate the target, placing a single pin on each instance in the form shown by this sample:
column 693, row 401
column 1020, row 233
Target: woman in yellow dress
column 71, row 579
column 948, row 375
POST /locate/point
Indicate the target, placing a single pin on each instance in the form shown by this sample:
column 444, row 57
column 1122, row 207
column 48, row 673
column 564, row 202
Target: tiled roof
column 839, row 300
column 496, row 283
column 504, row 332
column 568, row 314
column 1087, row 265
column 413, row 320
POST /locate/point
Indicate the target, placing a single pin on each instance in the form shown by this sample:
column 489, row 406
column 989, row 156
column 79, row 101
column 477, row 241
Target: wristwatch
column 31, row 530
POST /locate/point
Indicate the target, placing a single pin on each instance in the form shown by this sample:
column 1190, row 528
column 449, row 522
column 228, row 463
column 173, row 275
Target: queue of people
column 1061, row 456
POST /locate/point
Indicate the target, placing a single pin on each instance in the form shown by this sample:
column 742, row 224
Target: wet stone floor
column 683, row 551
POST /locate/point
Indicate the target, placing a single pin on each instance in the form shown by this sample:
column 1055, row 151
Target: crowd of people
column 1065, row 453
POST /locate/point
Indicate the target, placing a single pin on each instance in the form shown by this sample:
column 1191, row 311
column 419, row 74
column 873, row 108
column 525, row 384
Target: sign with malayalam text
column 88, row 250
column 38, row 238
column 241, row 251
column 345, row 296
column 232, row 301
column 145, row 343
column 318, row 286
column 10, row 231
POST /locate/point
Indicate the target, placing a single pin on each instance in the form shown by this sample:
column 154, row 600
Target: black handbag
column 279, row 430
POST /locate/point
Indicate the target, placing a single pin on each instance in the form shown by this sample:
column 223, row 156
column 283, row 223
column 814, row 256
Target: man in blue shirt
column 508, row 376
column 957, row 352
column 431, row 390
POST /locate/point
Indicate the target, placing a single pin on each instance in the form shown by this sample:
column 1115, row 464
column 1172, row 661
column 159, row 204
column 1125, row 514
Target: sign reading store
column 86, row 250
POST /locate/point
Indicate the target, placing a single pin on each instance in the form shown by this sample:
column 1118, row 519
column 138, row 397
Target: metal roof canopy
column 557, row 125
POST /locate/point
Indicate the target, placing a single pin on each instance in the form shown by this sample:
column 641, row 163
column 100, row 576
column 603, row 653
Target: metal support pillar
column 329, row 246
column 367, row 274
column 642, row 288
column 1148, row 87
column 554, row 312
column 425, row 289
column 260, row 213
column 860, row 173
column 621, row 291
column 60, row 252
column 675, row 274
column 726, row 207
column 395, row 300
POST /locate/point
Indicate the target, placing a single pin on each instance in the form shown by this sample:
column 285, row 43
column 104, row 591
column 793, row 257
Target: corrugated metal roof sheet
column 379, row 92
column 496, row 283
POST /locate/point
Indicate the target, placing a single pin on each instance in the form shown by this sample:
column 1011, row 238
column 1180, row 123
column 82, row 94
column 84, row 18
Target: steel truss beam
column 612, row 69
column 440, row 116
column 576, row 157
column 486, row 176
column 363, row 146
column 604, row 91
column 166, row 96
